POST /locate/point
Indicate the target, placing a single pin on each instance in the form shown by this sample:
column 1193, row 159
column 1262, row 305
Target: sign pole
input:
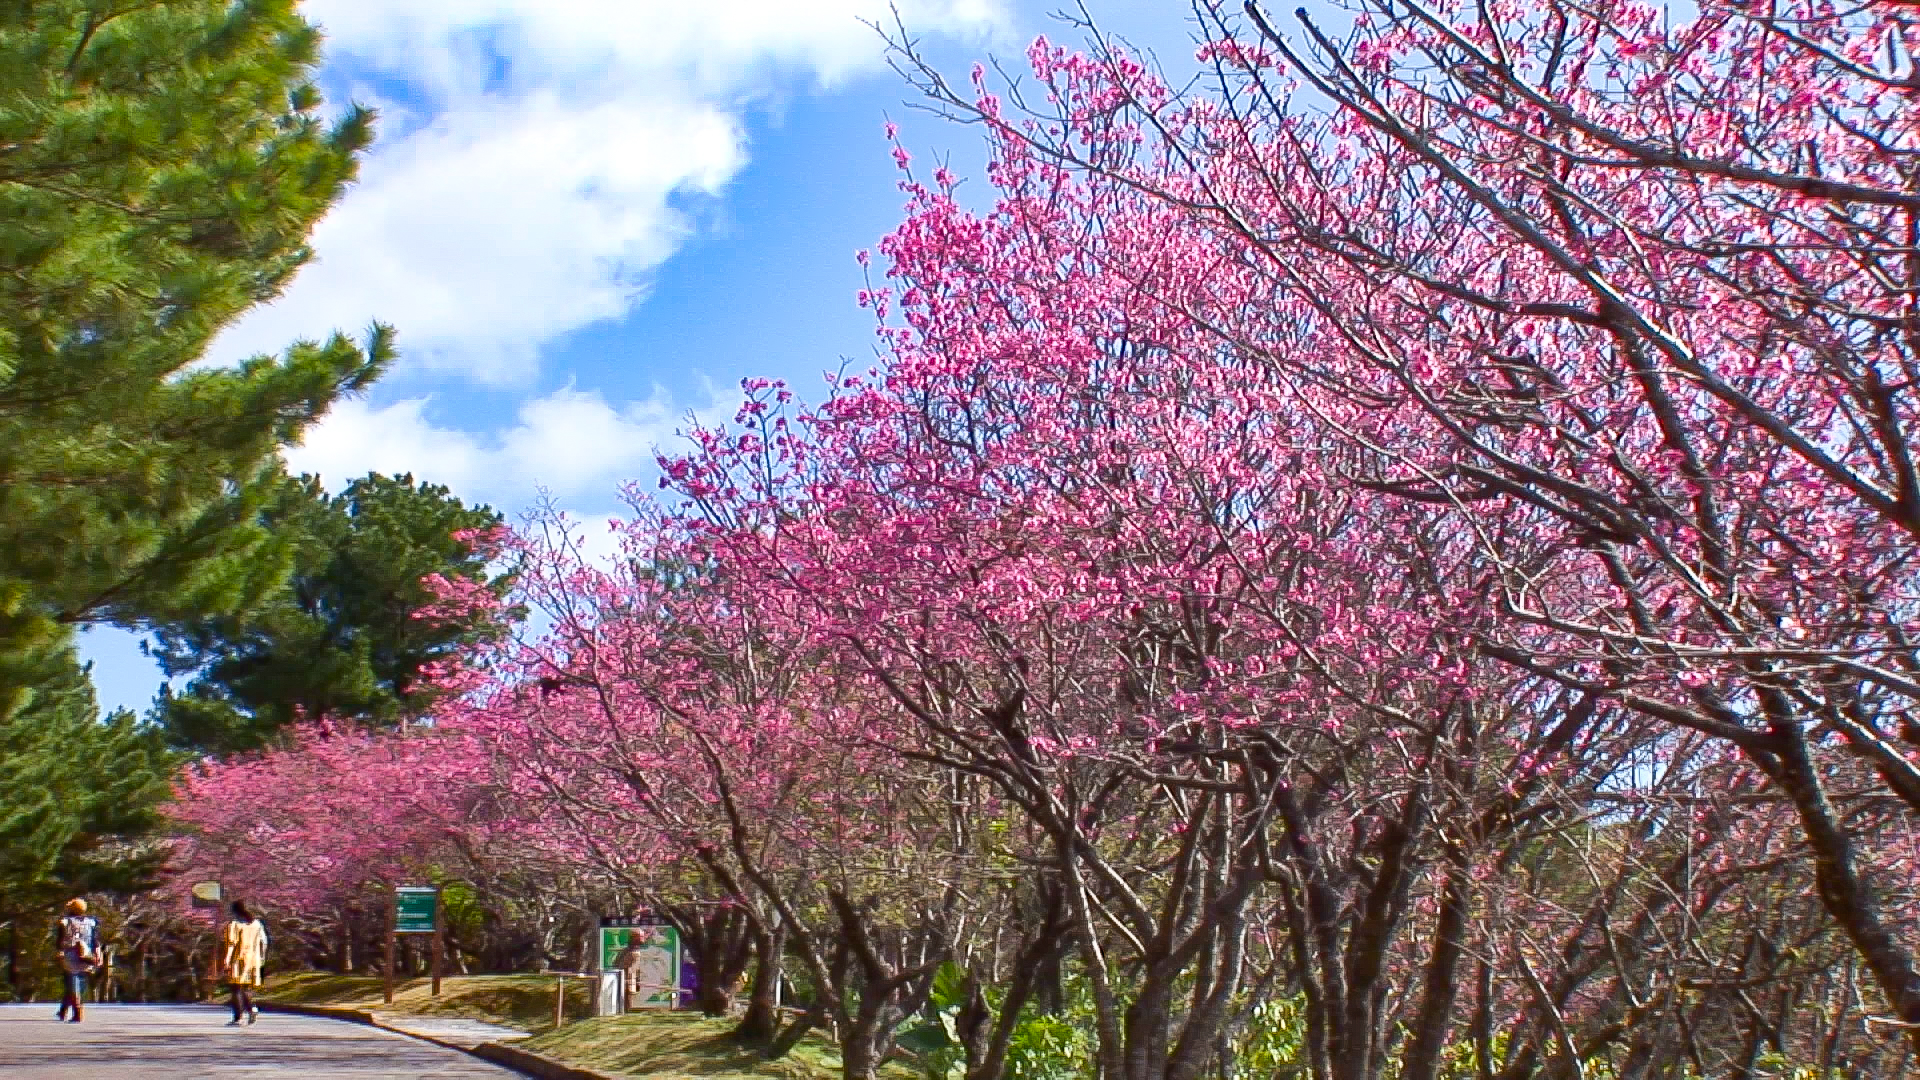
column 439, row 944
column 393, row 918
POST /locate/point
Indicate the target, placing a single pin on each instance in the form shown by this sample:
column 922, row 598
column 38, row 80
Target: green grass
column 686, row 1046
column 655, row 1045
column 517, row 1001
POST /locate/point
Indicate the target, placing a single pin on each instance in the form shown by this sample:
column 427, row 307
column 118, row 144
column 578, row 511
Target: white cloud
column 571, row 443
column 572, row 440
column 501, row 226
column 598, row 540
column 716, row 46
column 356, row 438
column 523, row 186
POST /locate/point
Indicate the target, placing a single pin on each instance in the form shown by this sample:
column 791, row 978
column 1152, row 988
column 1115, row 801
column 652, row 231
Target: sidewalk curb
column 525, row 1061
column 538, row 1065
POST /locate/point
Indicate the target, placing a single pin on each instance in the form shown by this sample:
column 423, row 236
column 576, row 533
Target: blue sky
column 588, row 219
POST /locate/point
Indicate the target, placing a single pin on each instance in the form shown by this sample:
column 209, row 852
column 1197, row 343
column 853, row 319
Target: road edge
column 329, row 1012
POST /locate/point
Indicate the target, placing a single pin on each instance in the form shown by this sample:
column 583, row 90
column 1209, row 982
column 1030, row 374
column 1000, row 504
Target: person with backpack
column 78, row 934
column 243, row 953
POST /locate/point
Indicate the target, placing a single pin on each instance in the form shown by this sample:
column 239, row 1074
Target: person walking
column 243, row 953
column 78, row 934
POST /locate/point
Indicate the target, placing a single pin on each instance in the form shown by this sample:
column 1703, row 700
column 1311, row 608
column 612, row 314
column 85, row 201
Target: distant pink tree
column 309, row 828
column 693, row 740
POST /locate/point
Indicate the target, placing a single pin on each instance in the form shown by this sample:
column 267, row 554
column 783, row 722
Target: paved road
column 186, row 1042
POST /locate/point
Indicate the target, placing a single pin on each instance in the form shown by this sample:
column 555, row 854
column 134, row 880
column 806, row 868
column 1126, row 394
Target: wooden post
column 393, row 918
column 439, row 931
column 346, row 942
column 559, row 1001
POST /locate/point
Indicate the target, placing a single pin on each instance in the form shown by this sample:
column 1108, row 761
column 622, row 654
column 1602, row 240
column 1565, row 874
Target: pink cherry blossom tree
column 1625, row 294
column 1431, row 548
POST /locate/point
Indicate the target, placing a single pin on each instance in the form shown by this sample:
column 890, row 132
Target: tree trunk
column 987, row 1036
column 721, row 944
column 1050, row 986
column 1843, row 893
column 859, row 1059
column 1422, row 1060
column 762, row 1019
column 790, row 1038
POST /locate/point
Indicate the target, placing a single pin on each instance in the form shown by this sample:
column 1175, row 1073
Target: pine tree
column 161, row 165
column 75, row 784
column 79, row 800
column 345, row 639
column 160, row 168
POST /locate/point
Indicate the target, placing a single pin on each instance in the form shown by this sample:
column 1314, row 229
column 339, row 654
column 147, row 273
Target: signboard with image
column 649, row 954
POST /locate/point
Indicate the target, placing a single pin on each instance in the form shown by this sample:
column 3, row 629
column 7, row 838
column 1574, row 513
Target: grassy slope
column 520, row 1001
column 659, row 1046
column 684, row 1046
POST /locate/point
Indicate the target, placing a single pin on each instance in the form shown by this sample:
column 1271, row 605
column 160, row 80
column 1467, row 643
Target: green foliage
column 1274, row 1043
column 936, row 1044
column 74, row 791
column 160, row 167
column 934, row 1037
column 1774, row 1064
column 163, row 166
column 1460, row 1060
column 345, row 638
column 1042, row 1046
column 1047, row 1047
column 460, row 906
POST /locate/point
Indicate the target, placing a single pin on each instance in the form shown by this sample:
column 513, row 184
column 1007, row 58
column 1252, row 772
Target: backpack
column 76, row 935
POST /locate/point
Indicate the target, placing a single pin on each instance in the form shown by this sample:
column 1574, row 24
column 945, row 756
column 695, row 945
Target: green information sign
column 650, row 956
column 413, row 909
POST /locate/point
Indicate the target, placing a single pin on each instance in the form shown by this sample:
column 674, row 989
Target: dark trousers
column 75, row 990
column 242, row 1000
